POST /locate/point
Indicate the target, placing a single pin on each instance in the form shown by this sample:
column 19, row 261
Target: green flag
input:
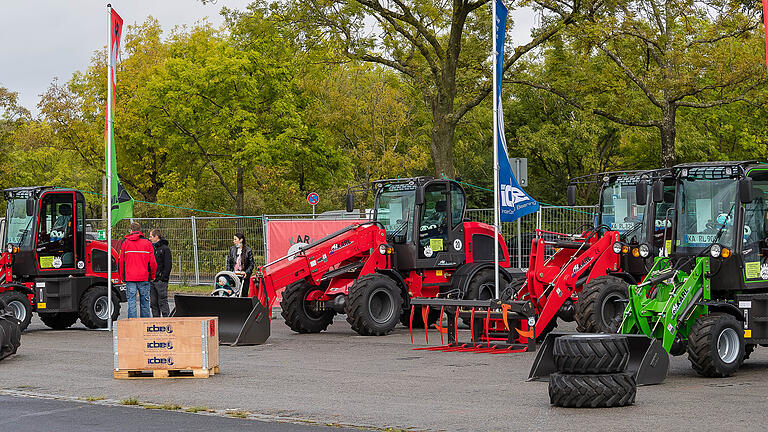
column 121, row 203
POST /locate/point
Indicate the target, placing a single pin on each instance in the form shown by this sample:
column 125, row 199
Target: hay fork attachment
column 490, row 329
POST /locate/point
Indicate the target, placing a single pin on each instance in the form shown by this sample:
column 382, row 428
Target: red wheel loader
column 47, row 265
column 417, row 245
column 582, row 277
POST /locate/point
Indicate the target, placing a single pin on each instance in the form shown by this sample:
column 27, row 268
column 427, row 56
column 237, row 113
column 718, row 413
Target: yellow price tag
column 752, row 270
column 46, row 262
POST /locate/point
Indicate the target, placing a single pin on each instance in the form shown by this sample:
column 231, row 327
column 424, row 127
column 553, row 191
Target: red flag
column 765, row 27
column 115, row 28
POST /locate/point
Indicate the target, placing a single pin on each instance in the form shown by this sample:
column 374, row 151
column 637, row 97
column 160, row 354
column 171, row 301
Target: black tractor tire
column 299, row 315
column 592, row 391
column 58, row 320
column 591, row 353
column 482, row 287
column 418, row 322
column 716, row 345
column 601, row 305
column 374, row 305
column 18, row 303
column 93, row 307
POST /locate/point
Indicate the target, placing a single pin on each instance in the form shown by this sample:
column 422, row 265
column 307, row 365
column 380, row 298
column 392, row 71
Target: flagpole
column 496, row 209
column 108, row 143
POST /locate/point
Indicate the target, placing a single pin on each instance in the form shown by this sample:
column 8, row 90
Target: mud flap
column 648, row 361
column 242, row 320
column 10, row 334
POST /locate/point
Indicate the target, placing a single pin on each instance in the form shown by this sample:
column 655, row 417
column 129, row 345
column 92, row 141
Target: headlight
column 715, row 250
column 617, row 248
column 644, row 250
column 383, row 249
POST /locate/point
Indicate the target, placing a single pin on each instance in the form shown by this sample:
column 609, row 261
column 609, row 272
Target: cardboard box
column 166, row 343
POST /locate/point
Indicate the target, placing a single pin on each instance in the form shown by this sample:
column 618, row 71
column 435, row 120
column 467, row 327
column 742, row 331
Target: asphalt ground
column 340, row 378
column 34, row 414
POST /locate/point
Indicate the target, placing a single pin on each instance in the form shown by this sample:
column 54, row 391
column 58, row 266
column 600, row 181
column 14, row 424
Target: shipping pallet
column 165, row 373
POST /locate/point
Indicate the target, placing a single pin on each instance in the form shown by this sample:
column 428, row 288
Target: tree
column 644, row 60
column 441, row 47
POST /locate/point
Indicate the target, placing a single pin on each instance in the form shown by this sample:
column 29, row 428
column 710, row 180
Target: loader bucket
column 648, row 360
column 242, row 320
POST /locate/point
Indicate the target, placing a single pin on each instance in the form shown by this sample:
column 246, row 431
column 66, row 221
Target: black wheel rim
column 381, row 305
column 312, row 308
column 611, row 311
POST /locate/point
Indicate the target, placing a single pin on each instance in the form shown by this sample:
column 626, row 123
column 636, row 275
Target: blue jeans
column 143, row 288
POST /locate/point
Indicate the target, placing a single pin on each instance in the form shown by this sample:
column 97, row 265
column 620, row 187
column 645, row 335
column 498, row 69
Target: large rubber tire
column 591, row 353
column 592, row 391
column 299, row 315
column 374, row 305
column 18, row 303
column 482, row 287
column 93, row 307
column 601, row 305
column 716, row 345
column 58, row 320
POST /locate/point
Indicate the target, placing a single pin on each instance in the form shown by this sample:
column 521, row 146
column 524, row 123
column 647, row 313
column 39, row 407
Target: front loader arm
column 315, row 260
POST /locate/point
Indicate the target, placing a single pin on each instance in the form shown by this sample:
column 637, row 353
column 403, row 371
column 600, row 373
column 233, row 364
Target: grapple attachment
column 495, row 326
column 242, row 320
column 648, row 360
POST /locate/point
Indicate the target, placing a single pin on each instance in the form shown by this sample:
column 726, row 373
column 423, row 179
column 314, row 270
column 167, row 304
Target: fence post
column 519, row 245
column 264, row 234
column 194, row 251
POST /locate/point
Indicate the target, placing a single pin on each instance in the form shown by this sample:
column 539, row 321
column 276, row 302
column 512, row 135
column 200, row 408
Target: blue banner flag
column 513, row 201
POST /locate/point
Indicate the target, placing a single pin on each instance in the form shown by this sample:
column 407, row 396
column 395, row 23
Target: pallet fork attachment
column 242, row 320
column 648, row 360
column 495, row 337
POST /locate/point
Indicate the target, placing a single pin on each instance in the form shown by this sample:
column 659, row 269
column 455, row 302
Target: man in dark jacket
column 138, row 267
column 158, row 295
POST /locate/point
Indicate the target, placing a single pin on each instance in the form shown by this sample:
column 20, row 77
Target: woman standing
column 240, row 260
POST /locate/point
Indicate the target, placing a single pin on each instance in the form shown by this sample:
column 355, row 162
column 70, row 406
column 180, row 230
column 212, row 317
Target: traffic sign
column 313, row 198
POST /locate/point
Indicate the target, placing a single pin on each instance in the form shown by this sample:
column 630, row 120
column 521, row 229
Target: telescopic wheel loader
column 418, row 244
column 47, row 265
column 582, row 277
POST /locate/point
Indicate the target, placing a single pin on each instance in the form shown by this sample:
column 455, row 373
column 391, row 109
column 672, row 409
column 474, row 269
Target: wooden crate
column 171, row 344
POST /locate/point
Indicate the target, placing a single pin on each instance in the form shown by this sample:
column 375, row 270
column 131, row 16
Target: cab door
column 59, row 245
column 440, row 236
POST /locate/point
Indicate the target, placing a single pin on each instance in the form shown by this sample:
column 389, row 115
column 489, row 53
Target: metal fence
column 200, row 244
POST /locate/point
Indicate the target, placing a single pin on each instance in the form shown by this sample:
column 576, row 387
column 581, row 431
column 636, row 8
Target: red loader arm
column 353, row 244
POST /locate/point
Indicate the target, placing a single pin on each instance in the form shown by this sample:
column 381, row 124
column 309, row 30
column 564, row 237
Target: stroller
column 227, row 284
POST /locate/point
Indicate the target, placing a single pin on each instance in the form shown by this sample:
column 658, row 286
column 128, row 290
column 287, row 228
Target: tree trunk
column 240, row 197
column 668, row 133
column 441, row 147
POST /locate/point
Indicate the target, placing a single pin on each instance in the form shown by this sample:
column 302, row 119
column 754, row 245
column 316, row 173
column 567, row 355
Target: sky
column 45, row 39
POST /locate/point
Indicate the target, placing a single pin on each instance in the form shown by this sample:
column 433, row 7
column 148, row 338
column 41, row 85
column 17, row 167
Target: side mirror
column 350, row 202
column 658, row 191
column 30, row 206
column 745, row 190
column 571, row 195
column 641, row 192
column 419, row 196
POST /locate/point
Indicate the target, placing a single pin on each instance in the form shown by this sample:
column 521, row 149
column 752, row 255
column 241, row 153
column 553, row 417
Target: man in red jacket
column 137, row 262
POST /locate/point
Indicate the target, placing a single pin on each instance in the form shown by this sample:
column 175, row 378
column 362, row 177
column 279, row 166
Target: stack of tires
column 591, row 372
column 10, row 332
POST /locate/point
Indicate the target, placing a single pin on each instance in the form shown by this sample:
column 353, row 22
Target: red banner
column 282, row 234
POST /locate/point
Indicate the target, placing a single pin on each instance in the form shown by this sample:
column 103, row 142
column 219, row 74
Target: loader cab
column 720, row 212
column 423, row 219
column 45, row 228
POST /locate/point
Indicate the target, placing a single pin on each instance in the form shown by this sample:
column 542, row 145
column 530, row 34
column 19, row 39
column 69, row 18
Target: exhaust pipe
column 648, row 361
